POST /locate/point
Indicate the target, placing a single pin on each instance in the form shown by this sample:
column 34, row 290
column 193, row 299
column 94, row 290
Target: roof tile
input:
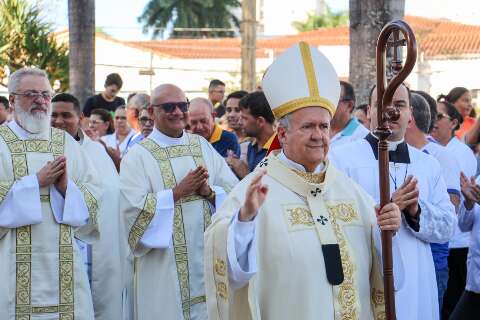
column 436, row 37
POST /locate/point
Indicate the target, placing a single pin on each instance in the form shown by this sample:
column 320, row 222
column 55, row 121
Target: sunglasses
column 169, row 107
column 440, row 116
column 232, row 109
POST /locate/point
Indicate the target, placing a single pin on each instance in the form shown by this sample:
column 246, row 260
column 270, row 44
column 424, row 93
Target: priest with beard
column 48, row 200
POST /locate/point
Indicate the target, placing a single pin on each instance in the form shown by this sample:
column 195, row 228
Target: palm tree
column 328, row 20
column 161, row 15
column 367, row 18
column 26, row 40
column 81, row 23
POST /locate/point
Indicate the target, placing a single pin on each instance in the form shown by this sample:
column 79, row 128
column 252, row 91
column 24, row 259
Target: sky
column 119, row 17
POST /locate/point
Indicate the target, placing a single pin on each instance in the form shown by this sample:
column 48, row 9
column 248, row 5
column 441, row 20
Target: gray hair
column 203, row 101
column 15, row 78
column 284, row 122
column 421, row 112
column 140, row 100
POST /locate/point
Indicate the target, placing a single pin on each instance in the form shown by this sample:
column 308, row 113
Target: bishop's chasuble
column 166, row 237
column 312, row 256
column 41, row 268
column 416, row 296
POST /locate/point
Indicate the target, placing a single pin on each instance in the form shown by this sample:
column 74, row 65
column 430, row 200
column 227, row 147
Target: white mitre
column 301, row 77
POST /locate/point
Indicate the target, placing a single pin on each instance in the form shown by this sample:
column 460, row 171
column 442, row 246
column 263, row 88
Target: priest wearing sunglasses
column 171, row 184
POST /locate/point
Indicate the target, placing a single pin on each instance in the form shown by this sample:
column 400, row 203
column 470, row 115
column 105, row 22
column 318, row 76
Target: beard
column 37, row 123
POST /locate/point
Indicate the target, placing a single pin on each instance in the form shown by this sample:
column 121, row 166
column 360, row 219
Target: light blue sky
column 119, row 17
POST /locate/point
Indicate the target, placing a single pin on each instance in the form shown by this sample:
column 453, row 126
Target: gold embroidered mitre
column 301, row 77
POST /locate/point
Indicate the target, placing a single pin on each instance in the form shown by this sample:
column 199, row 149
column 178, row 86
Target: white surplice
column 166, row 237
column 108, row 255
column 41, row 267
column 416, row 295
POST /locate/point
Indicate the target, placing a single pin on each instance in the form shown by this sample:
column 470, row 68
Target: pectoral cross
column 322, row 220
column 396, row 61
column 263, row 163
column 315, row 192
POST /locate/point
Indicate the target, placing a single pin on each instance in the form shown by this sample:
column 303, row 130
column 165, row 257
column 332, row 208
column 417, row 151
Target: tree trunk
column 248, row 33
column 367, row 18
column 81, row 21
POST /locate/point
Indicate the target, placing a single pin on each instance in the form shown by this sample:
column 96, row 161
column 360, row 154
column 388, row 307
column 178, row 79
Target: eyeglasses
column 145, row 120
column 171, row 106
column 228, row 109
column 94, row 122
column 47, row 95
column 440, row 116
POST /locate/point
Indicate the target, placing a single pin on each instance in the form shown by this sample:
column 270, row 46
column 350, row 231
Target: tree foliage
column 26, row 40
column 327, row 20
column 161, row 15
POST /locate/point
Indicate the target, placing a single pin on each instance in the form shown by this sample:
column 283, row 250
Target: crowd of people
column 251, row 205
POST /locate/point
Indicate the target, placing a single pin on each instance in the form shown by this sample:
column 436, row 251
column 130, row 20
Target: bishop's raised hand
column 254, row 198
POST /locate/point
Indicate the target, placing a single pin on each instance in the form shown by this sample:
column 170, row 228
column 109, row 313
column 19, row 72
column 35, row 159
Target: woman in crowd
column 100, row 124
column 461, row 99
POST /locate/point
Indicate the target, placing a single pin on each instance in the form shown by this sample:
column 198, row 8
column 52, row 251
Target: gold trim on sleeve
column 142, row 221
column 5, row 186
column 92, row 204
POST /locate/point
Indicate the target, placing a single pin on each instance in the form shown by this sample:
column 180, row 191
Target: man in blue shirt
column 257, row 121
column 202, row 122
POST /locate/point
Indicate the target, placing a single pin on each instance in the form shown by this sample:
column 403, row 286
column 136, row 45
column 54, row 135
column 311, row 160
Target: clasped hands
column 54, row 172
column 196, row 181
